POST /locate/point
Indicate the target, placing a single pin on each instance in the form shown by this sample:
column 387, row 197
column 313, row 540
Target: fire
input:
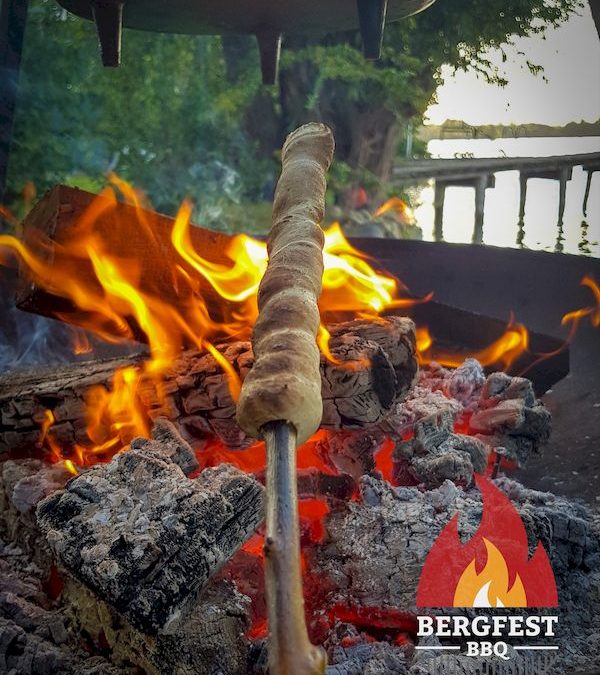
column 47, row 422
column 508, row 576
column 70, row 467
column 236, row 283
column 349, row 281
column 502, row 353
column 489, row 588
column 592, row 311
column 398, row 206
column 118, row 305
column 115, row 418
column 81, row 344
column 424, row 340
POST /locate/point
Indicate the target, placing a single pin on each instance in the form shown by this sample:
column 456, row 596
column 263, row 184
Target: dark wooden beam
column 13, row 18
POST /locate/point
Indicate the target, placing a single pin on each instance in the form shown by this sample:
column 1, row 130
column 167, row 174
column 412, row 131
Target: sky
column 570, row 55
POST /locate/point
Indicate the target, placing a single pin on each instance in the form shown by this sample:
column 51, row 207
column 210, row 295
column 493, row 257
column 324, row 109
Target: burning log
column 144, row 537
column 65, row 214
column 375, row 367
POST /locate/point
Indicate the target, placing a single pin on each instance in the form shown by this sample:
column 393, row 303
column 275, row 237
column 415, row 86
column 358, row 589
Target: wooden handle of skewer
column 284, row 383
column 290, row 650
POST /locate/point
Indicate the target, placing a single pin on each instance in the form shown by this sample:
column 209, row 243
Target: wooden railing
column 479, row 174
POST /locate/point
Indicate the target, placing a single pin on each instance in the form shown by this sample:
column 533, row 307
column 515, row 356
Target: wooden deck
column 468, row 168
column 479, row 174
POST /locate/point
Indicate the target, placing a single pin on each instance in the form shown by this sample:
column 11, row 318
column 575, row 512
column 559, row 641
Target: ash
column 362, row 571
column 377, row 547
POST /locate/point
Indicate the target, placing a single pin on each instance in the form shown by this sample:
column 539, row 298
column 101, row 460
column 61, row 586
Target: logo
column 493, row 568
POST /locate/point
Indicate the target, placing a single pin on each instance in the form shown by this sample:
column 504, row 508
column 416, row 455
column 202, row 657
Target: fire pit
column 132, row 501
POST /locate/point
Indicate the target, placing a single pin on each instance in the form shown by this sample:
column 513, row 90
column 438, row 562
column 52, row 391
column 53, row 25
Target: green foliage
column 176, row 123
column 166, row 120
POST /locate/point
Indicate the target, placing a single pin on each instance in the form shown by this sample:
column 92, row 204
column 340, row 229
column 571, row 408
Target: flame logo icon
column 493, row 568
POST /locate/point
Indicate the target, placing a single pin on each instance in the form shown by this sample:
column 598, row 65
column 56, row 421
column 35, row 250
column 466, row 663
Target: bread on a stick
column 284, row 383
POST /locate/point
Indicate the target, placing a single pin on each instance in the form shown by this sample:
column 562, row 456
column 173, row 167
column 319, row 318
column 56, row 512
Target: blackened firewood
column 377, row 366
column 499, row 413
column 23, row 483
column 436, row 453
column 144, row 537
column 34, row 634
column 167, row 442
column 212, row 638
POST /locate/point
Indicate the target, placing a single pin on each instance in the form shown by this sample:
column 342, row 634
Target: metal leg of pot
column 269, row 47
column 108, row 16
column 371, row 17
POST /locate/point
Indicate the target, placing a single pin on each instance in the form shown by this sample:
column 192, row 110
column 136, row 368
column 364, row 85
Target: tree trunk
column 374, row 138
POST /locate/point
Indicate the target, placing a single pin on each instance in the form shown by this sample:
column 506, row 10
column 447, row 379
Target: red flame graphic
column 502, row 526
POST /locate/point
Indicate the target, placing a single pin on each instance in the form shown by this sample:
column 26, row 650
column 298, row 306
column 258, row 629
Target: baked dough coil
column 285, row 383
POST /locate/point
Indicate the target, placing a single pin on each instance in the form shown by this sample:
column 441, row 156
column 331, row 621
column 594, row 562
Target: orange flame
column 424, row 340
column 70, row 467
column 8, row 215
column 81, row 344
column 502, row 352
column 47, row 422
column 118, row 306
column 398, row 206
column 116, row 417
column 489, row 588
column 593, row 311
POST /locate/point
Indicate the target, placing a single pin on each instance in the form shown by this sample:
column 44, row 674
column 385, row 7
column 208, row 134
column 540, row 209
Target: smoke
column 28, row 340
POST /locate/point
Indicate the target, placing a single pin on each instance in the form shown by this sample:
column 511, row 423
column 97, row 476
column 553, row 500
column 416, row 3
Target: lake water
column 580, row 235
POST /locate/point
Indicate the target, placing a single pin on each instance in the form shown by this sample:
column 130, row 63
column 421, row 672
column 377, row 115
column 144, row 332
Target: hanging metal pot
column 267, row 19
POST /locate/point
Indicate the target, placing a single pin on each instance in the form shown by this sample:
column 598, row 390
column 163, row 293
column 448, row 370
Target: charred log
column 144, row 537
column 34, row 635
column 436, row 454
column 62, row 216
column 455, row 419
column 374, row 369
column 23, row 483
column 210, row 640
